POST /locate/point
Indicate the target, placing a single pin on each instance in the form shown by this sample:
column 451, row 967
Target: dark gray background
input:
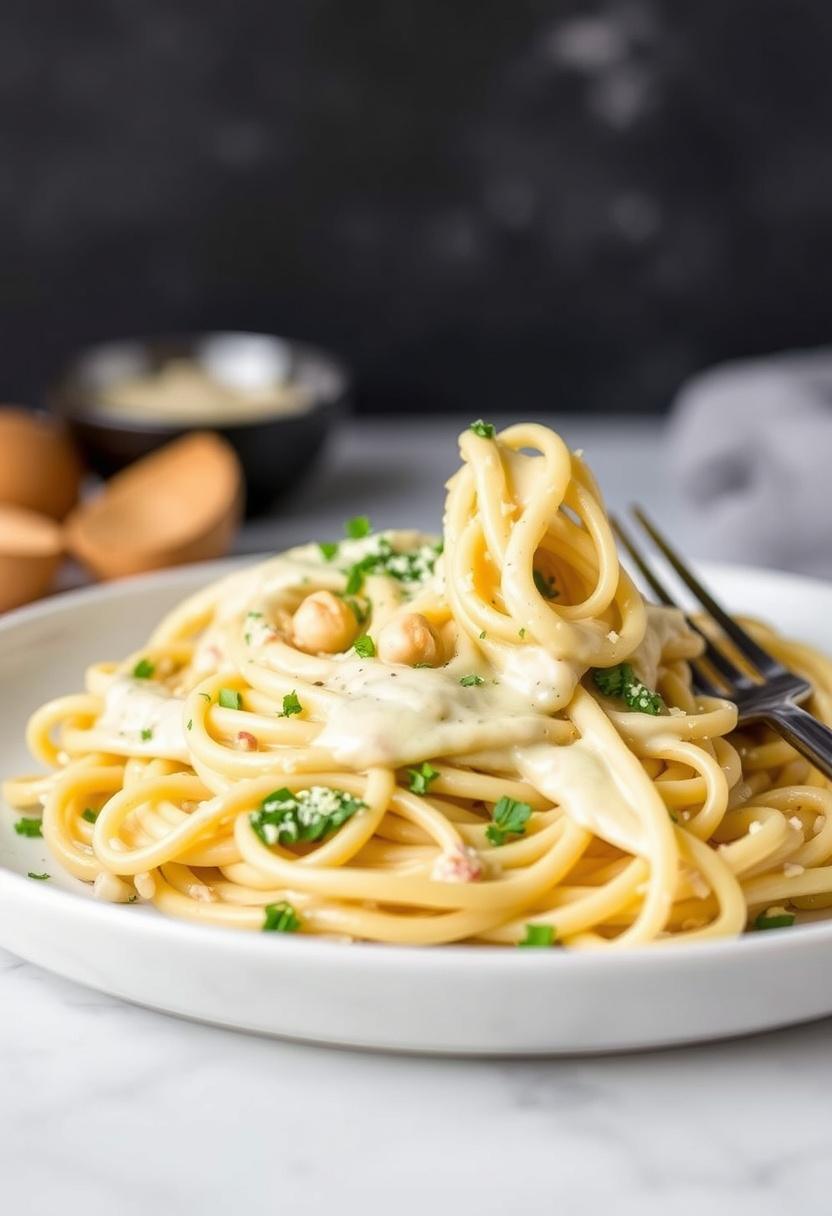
column 483, row 204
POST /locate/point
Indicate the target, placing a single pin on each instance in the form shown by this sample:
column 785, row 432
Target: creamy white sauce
column 134, row 706
column 664, row 626
column 548, row 684
column 579, row 778
column 394, row 715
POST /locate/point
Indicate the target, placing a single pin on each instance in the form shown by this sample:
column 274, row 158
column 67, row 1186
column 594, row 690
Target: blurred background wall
column 512, row 204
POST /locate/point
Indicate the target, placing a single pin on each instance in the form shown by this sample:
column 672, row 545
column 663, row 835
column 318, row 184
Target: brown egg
column 39, row 468
column 30, row 549
column 180, row 504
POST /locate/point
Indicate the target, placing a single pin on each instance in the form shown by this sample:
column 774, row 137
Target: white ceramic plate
column 466, row 1000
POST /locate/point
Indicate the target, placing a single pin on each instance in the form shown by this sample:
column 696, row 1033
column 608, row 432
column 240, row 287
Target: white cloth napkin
column 750, row 446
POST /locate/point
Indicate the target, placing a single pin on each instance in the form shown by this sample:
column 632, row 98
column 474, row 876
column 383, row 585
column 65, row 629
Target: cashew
column 408, row 639
column 323, row 624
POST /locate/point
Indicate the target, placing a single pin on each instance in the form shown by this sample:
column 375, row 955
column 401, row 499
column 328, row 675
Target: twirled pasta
column 446, row 708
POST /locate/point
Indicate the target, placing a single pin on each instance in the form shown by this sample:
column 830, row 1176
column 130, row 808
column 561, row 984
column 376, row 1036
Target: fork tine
column 723, row 665
column 761, row 659
column 658, row 588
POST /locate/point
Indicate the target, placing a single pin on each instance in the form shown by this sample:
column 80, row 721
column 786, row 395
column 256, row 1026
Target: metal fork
column 773, row 695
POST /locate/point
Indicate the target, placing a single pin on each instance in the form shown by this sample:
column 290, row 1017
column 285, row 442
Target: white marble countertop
column 108, row 1108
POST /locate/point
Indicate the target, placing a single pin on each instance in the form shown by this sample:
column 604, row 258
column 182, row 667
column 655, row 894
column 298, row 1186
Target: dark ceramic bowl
column 275, row 450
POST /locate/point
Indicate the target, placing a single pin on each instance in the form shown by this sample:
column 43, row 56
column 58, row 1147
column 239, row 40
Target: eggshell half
column 181, row 504
column 30, row 549
column 39, row 468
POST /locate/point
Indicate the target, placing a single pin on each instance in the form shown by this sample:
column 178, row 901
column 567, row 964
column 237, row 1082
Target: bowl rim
column 64, row 398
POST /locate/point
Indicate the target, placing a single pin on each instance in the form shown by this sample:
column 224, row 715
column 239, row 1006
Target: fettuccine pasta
column 490, row 739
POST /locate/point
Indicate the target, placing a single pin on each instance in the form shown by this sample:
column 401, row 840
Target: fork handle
column 811, row 738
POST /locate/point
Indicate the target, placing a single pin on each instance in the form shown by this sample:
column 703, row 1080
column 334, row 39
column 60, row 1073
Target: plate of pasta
column 449, row 793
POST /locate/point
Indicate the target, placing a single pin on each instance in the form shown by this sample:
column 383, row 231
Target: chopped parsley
column 28, row 827
column 291, row 705
column 485, row 430
column 147, row 734
column 482, row 635
column 545, row 584
column 421, row 777
column 280, row 918
column 411, row 566
column 190, row 724
column 358, row 527
column 364, row 646
column 39, row 877
column 89, row 814
column 621, row 681
column 229, row 698
column 143, row 670
column 508, row 818
column 471, row 681
column 355, row 578
column 774, row 920
column 206, row 696
column 539, row 935
column 521, row 633
column 311, row 814
column 328, row 549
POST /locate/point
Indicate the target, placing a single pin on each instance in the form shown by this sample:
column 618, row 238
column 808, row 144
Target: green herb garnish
column 545, row 585
column 508, row 818
column 364, row 646
column 539, row 935
column 291, row 705
column 143, row 670
column 311, row 814
column 621, row 681
column 420, row 778
column 485, row 430
column 229, row 698
column 190, row 724
column 471, row 681
column 89, row 814
column 411, row 566
column 482, row 635
column 355, row 579
column 521, row 633
column 358, row 527
column 779, row 920
column 328, row 549
column 147, row 734
column 28, row 827
column 280, row 918
column 205, row 696
column 39, row 877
